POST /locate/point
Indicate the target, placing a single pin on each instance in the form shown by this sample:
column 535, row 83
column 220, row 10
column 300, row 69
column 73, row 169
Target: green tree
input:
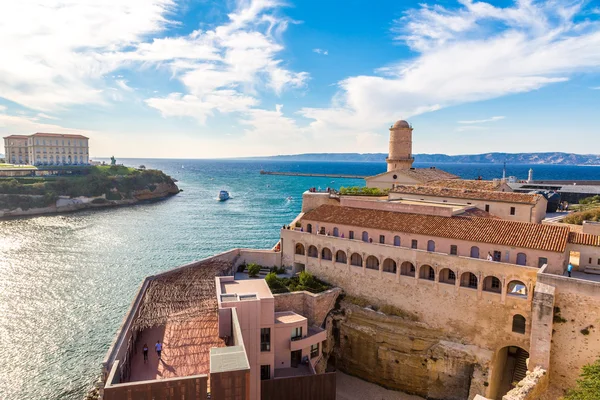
column 588, row 384
column 253, row 270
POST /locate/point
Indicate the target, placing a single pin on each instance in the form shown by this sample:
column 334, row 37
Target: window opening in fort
column 365, row 236
column 487, row 208
column 309, row 228
column 356, row 260
column 542, row 261
column 351, row 235
column 265, row 339
column 396, row 240
column 381, row 239
column 518, row 324
column 336, row 232
column 372, row 262
column 453, row 250
column 297, row 333
column 413, row 244
column 426, row 272
column 313, row 252
column 265, row 372
column 340, row 257
column 300, row 249
column 469, row 280
column 474, row 252
column 314, row 350
column 517, row 288
column 491, row 284
column 389, row 265
column 407, row 269
column 326, row 254
column 512, row 211
column 497, row 255
column 322, row 231
column 447, row 276
column 430, row 245
column 521, row 259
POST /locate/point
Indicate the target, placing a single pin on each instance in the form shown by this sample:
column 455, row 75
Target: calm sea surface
column 66, row 281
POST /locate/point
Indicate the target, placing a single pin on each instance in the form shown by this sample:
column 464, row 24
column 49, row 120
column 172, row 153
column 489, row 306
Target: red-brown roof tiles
column 16, row 137
column 466, row 184
column 509, row 197
column 585, row 239
column 65, row 135
column 485, row 230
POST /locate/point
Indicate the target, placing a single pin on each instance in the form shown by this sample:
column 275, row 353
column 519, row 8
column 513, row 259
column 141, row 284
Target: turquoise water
column 66, row 281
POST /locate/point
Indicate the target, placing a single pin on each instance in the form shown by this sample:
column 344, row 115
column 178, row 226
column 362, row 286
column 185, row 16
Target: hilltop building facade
column 47, row 149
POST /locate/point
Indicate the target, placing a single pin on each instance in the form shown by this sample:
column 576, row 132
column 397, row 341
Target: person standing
column 489, row 257
column 158, row 346
column 569, row 269
column 145, row 353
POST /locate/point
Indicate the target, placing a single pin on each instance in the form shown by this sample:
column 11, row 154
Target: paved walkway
column 351, row 388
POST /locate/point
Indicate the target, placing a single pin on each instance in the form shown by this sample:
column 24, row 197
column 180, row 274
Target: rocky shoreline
column 65, row 204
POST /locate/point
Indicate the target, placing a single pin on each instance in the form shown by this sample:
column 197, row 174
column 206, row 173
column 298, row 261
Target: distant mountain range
column 487, row 158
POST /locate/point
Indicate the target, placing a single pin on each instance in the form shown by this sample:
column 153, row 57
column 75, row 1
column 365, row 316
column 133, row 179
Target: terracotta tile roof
column 421, row 174
column 585, row 239
column 476, row 212
column 509, row 197
column 64, row 135
column 486, row 230
column 466, row 184
column 16, row 137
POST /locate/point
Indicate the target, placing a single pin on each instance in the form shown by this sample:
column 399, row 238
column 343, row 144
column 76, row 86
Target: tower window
column 512, row 211
column 395, row 176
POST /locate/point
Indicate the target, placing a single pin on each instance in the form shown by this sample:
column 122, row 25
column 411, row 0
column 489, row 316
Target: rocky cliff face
column 405, row 355
column 160, row 190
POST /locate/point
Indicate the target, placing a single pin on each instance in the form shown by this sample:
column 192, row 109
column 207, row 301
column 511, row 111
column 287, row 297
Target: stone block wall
column 532, row 387
column 313, row 306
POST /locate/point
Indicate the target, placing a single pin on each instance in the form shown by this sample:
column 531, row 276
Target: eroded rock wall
column 406, row 355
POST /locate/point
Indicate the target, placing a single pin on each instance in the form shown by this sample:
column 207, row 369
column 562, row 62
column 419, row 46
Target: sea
column 67, row 280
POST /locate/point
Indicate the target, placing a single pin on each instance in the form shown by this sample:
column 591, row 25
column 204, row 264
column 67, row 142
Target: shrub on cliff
column 577, row 218
column 253, row 270
column 588, row 384
column 363, row 191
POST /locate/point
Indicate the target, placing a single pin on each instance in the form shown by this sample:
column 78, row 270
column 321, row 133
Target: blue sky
column 204, row 79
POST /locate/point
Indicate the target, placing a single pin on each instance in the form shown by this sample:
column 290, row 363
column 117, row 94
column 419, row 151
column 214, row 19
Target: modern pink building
column 278, row 344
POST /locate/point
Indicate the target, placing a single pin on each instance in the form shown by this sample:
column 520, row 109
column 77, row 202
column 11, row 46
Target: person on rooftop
column 569, row 269
column 158, row 346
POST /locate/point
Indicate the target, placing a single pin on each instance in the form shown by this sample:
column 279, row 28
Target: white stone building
column 47, row 149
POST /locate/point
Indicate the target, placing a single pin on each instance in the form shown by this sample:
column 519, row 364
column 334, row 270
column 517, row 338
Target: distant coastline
column 549, row 158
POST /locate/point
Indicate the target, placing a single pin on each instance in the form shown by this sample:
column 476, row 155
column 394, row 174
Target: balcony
column 315, row 335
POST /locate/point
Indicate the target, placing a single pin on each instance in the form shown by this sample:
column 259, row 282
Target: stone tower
column 400, row 156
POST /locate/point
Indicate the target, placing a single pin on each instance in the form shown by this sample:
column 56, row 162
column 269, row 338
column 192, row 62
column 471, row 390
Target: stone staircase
column 264, row 271
column 520, row 366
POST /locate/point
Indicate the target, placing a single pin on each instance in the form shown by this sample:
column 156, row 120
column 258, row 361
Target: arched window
column 431, row 245
column 389, row 265
column 474, row 252
column 447, row 276
column 326, row 254
column 313, row 252
column 427, row 273
column 521, row 259
column 372, row 262
column 300, row 249
column 356, row 260
column 322, row 230
column 492, row 284
column 340, row 256
column 407, row 269
column 396, row 240
column 468, row 279
column 309, row 228
column 365, row 236
column 518, row 323
column 336, row 232
column 517, row 289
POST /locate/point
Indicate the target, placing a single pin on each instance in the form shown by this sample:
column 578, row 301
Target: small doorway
column 497, row 255
column 296, row 358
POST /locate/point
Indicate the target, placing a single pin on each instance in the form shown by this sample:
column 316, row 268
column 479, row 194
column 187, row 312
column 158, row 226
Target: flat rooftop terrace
column 247, row 286
column 288, row 317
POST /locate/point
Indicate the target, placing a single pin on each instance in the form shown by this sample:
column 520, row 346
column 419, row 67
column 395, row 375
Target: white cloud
column 46, row 116
column 2, row 108
column 596, row 88
column 473, row 53
column 122, row 83
column 321, row 51
column 482, row 121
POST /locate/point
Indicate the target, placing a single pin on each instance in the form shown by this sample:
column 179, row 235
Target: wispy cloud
column 482, row 121
column 471, row 53
column 321, row 51
column 468, row 128
column 46, row 116
column 122, row 83
column 595, row 88
column 2, row 108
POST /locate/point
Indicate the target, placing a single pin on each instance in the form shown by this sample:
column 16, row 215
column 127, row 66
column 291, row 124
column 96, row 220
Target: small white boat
column 223, row 195
column 289, row 198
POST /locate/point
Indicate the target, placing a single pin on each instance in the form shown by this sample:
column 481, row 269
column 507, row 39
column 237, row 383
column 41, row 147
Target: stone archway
column 510, row 367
